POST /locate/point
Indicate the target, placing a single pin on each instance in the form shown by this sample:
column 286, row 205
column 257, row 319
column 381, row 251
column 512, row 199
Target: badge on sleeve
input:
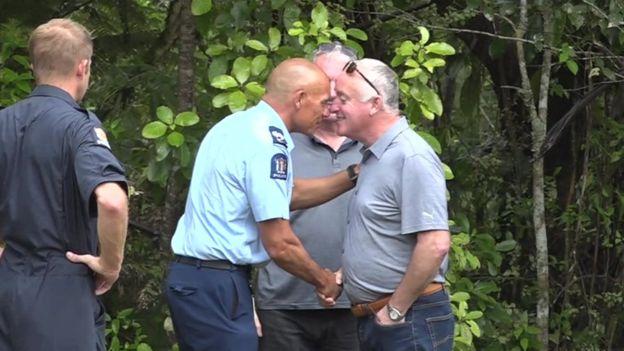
column 279, row 166
column 101, row 137
column 278, row 136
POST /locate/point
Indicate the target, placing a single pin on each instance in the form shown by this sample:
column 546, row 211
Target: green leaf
column 258, row 64
column 275, row 38
column 255, row 88
column 474, row 328
column 256, row 45
column 223, row 82
column 293, row 32
column 143, row 347
column 276, row 4
column 186, row 119
column 431, row 140
column 411, row 73
column 185, row 160
column 433, row 63
column 440, row 49
column 524, row 342
column 200, row 7
column 572, row 66
column 175, row 139
column 406, row 48
column 162, row 151
column 506, row 245
column 338, row 32
column 237, row 101
column 220, row 100
column 319, row 15
column 357, row 34
column 432, row 100
column 426, row 113
column 474, row 315
column 154, row 130
column 448, row 172
column 460, row 296
column 216, row 50
column 424, row 35
column 164, row 114
column 114, row 346
column 218, row 67
column 397, row 60
column 241, row 69
column 359, row 50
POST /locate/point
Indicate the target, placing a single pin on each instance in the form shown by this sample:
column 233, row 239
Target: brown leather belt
column 365, row 309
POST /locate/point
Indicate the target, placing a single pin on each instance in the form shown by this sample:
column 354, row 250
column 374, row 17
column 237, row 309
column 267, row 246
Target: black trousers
column 49, row 306
column 308, row 330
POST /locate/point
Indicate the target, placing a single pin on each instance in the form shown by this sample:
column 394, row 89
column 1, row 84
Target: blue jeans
column 429, row 326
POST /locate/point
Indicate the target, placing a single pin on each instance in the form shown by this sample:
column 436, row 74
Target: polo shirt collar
column 277, row 121
column 346, row 144
column 49, row 90
column 380, row 146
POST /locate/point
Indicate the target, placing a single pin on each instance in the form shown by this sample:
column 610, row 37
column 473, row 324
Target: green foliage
column 124, row 333
column 15, row 76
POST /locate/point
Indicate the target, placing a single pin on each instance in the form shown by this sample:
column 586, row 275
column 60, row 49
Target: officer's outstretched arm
column 286, row 250
column 112, row 224
column 310, row 192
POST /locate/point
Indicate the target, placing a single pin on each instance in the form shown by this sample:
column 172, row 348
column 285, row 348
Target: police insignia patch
column 101, row 137
column 279, row 166
column 278, row 136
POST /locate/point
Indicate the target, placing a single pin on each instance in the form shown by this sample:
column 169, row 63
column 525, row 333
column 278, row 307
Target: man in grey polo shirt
column 395, row 250
column 288, row 309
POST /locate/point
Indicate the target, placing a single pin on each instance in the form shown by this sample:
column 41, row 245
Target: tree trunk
column 538, row 126
column 186, row 93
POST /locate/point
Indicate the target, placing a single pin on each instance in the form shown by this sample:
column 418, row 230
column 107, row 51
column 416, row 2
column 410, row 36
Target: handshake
column 329, row 292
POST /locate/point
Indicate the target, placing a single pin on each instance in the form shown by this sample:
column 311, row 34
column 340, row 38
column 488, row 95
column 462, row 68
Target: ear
column 300, row 95
column 84, row 66
column 375, row 106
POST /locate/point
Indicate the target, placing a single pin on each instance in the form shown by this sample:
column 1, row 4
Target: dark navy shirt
column 53, row 155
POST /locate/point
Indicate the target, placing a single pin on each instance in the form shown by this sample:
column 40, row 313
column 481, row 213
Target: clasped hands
column 331, row 290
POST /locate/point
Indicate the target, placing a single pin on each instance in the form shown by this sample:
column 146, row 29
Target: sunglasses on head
column 351, row 66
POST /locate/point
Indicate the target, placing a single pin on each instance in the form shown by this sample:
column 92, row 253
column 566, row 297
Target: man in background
column 289, row 312
column 63, row 203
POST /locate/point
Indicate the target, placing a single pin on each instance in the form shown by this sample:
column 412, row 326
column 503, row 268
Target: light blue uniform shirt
column 242, row 175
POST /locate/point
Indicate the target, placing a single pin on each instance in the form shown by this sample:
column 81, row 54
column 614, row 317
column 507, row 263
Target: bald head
column 298, row 90
column 295, row 74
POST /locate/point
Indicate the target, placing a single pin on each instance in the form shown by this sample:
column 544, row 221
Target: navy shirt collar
column 49, row 90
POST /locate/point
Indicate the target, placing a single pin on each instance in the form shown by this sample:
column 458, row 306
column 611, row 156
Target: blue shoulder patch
column 278, row 136
column 279, row 166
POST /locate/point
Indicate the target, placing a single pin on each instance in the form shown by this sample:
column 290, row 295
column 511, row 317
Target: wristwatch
column 394, row 314
column 353, row 176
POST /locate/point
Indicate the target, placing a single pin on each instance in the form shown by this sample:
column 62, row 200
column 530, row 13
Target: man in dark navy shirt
column 63, row 203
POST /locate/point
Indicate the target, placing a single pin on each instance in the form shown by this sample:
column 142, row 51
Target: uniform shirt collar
column 49, row 90
column 276, row 120
column 380, row 146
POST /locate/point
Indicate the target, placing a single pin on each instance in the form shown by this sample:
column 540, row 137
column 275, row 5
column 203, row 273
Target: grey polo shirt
column 321, row 229
column 400, row 191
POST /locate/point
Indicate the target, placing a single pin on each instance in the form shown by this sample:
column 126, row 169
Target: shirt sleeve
column 422, row 195
column 268, row 180
column 94, row 162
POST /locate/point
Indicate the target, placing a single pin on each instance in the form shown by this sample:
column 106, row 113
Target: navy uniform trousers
column 49, row 306
column 211, row 308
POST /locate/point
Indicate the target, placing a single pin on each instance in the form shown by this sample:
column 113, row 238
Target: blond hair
column 57, row 46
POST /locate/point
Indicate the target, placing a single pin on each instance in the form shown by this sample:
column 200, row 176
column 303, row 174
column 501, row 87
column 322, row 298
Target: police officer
column 237, row 212
column 63, row 205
